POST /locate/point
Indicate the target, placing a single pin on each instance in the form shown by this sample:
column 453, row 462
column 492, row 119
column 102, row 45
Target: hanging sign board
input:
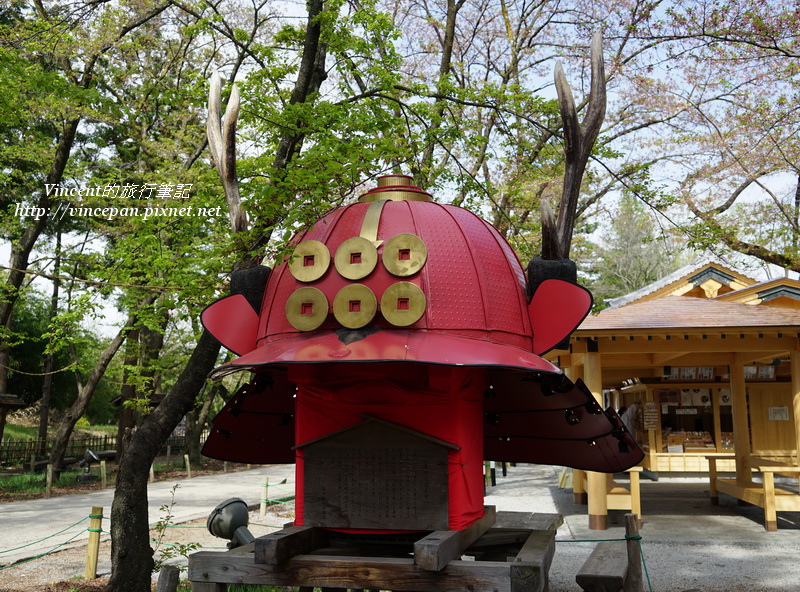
column 650, row 415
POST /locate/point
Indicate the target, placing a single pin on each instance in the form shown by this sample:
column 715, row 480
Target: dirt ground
column 64, row 571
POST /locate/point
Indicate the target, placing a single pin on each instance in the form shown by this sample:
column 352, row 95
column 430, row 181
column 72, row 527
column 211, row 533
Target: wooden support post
column 33, row 461
column 579, row 487
column 103, row 474
column 636, row 496
column 168, row 579
column 712, row 480
column 741, row 421
column 93, row 550
column 188, row 466
column 634, row 581
column 487, row 474
column 264, row 497
column 794, row 364
column 596, row 482
column 770, row 515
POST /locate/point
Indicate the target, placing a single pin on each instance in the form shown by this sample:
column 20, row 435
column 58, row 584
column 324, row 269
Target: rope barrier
column 53, row 550
column 45, row 538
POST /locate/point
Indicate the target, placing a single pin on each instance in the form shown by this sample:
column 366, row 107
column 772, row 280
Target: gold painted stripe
column 369, row 227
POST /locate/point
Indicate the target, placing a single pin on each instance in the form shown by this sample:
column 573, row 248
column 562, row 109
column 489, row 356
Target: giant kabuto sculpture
column 396, row 349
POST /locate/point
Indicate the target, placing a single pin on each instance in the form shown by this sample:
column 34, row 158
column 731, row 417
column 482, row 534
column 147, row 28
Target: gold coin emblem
column 309, row 261
column 306, row 309
column 404, row 255
column 403, row 304
column 356, row 258
column 354, row 306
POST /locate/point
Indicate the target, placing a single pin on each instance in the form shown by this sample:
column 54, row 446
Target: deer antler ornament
column 578, row 141
column 222, row 143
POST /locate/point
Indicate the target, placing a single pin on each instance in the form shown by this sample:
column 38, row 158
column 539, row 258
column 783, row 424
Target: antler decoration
column 222, row 143
column 578, row 141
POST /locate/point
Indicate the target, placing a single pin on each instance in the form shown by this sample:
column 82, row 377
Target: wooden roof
column 680, row 313
column 707, row 279
column 783, row 292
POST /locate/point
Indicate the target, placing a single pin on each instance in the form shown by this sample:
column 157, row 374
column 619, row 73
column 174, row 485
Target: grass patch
column 33, row 482
column 18, row 432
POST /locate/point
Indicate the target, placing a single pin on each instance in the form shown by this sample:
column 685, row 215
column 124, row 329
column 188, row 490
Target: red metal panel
column 233, row 322
column 556, row 309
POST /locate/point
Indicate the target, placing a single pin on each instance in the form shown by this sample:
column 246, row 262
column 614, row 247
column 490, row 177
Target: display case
column 678, row 423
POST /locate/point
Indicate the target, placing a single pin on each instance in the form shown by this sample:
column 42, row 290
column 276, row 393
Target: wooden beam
column 661, row 359
column 434, row 551
column 531, row 520
column 332, row 571
column 738, row 342
column 741, row 422
column 276, row 548
column 530, row 568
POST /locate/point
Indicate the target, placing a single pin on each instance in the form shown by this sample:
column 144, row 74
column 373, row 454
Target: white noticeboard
column 778, row 413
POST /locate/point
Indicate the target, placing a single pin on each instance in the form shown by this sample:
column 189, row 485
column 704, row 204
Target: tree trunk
column 47, row 385
column 85, row 394
column 127, row 392
column 131, row 554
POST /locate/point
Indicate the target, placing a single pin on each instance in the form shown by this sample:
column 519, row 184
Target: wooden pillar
column 794, row 363
column 578, row 477
column 595, row 482
column 741, row 421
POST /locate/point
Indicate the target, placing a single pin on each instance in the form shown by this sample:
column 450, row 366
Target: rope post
column 634, row 581
column 152, row 474
column 264, row 497
column 188, row 466
column 103, row 474
column 93, row 551
column 48, row 488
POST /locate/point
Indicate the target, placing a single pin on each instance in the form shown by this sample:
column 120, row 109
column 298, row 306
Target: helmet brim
column 394, row 345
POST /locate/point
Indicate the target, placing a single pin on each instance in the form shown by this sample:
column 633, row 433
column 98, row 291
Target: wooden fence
column 21, row 451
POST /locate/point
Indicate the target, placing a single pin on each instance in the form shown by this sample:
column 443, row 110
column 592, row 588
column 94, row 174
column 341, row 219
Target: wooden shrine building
column 707, row 360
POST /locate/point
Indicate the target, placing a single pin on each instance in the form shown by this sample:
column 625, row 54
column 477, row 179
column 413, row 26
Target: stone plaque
column 376, row 475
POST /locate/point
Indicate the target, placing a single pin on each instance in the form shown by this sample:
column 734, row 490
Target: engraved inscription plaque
column 376, row 475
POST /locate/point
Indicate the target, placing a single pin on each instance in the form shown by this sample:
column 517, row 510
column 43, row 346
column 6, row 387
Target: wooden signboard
column 376, row 475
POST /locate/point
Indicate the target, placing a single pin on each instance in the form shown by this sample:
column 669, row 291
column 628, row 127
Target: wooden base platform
column 512, row 556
